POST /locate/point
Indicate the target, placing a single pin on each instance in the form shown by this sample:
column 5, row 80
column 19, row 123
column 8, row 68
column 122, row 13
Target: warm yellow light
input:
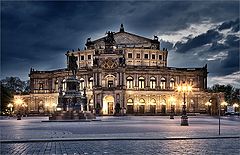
column 9, row 105
column 47, row 104
column 184, row 88
column 235, row 105
column 189, row 88
column 18, row 101
column 59, row 109
column 105, row 109
column 179, row 88
column 172, row 100
column 224, row 103
column 208, row 103
column 54, row 104
column 163, row 103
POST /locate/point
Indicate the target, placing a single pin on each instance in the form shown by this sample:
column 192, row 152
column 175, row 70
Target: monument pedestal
column 71, row 103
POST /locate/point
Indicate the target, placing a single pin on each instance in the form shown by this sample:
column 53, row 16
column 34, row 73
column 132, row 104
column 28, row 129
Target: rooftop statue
column 110, row 38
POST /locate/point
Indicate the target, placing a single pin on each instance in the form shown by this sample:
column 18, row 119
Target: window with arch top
column 90, row 82
column 141, row 82
column 81, row 83
column 129, row 82
column 172, row 83
column 163, row 83
column 152, row 82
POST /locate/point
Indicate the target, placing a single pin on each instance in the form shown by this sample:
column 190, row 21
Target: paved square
column 121, row 127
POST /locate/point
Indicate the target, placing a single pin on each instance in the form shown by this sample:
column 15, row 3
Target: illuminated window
column 172, row 82
column 110, row 83
column 141, row 82
column 142, row 100
column 130, row 101
column 81, row 84
column 129, row 82
column 152, row 82
column 91, row 83
column 163, row 83
column 153, row 101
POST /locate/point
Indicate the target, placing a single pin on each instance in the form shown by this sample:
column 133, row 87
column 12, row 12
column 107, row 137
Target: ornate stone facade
column 124, row 73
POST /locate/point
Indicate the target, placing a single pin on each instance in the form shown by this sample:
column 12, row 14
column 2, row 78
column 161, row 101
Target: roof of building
column 125, row 38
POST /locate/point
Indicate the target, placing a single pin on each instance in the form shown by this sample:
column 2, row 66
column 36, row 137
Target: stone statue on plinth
column 72, row 105
column 72, row 63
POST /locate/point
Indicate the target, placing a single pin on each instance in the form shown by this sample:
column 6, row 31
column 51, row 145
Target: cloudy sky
column 37, row 34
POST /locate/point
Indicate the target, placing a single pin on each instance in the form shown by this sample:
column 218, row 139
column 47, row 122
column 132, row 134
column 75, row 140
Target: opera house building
column 124, row 73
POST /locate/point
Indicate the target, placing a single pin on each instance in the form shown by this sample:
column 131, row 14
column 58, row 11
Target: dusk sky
column 38, row 34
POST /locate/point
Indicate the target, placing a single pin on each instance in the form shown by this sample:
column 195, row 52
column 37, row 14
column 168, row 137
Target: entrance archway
column 108, row 105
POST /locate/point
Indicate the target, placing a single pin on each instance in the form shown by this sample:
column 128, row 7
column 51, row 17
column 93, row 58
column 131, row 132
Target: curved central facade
column 125, row 73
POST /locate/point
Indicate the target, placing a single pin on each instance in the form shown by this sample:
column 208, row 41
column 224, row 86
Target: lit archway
column 108, row 105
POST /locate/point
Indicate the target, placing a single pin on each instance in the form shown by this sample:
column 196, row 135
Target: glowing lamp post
column 10, row 106
column 224, row 105
column 208, row 104
column 235, row 106
column 184, row 88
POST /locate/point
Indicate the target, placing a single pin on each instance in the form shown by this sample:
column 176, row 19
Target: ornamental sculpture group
column 72, row 104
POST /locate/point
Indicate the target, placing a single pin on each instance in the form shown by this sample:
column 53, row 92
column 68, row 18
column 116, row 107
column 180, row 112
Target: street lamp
column 224, row 104
column 184, row 88
column 10, row 106
column 208, row 104
column 235, row 106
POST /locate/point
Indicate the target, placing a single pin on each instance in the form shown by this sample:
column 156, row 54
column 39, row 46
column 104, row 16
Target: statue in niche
column 72, row 64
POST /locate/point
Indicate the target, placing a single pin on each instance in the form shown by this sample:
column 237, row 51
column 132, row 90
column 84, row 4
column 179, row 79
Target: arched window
column 163, row 83
column 90, row 82
column 141, row 101
column 130, row 101
column 141, row 82
column 153, row 101
column 172, row 82
column 110, row 79
column 129, row 82
column 81, row 83
column 152, row 82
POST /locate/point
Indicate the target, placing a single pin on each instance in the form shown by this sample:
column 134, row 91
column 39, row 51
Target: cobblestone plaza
column 121, row 135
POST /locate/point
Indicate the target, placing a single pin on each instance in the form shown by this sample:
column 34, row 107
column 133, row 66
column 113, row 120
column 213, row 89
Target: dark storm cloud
column 230, row 24
column 232, row 60
column 37, row 34
column 208, row 37
column 232, row 41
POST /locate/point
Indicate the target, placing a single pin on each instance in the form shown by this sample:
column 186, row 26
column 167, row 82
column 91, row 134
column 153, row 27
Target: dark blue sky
column 38, row 34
